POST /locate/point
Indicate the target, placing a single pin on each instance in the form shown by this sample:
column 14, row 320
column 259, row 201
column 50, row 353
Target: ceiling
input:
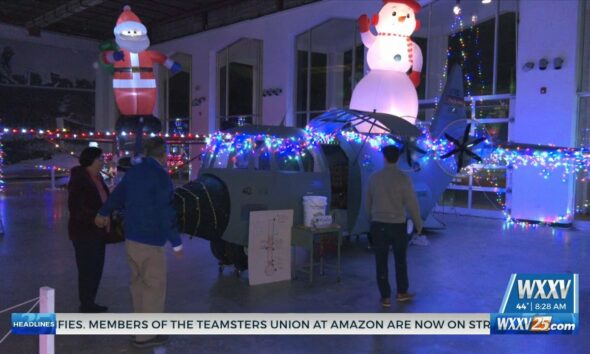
column 165, row 19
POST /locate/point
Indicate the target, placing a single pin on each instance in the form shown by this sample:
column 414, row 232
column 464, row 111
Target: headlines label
column 33, row 323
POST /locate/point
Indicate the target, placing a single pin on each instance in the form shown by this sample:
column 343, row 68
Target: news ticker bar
column 252, row 324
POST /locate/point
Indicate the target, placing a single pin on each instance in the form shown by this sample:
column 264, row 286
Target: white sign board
column 269, row 246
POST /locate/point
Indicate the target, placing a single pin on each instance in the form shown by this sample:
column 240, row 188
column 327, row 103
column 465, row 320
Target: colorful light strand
column 458, row 29
column 236, row 146
column 51, row 167
column 566, row 161
column 107, row 136
column 1, row 163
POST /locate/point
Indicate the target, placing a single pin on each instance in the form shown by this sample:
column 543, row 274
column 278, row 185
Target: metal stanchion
column 46, row 305
column 52, row 173
column 138, row 142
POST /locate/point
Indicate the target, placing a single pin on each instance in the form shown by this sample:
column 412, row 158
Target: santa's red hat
column 128, row 20
column 412, row 4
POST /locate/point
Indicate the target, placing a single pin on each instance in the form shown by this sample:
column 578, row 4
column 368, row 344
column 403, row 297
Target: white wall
column 70, row 57
column 553, row 114
column 60, row 53
column 278, row 32
column 548, row 118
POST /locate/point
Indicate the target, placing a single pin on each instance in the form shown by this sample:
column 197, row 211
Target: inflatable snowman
column 394, row 59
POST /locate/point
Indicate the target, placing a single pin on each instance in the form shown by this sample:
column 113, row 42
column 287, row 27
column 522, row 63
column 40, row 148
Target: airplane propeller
column 409, row 147
column 463, row 147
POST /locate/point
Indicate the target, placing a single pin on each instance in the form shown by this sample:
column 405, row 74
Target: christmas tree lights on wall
column 468, row 55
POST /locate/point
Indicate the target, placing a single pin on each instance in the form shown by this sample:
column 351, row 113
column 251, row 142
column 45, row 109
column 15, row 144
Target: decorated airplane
column 266, row 168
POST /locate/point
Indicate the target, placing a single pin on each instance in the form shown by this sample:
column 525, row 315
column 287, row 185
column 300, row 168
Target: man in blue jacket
column 146, row 195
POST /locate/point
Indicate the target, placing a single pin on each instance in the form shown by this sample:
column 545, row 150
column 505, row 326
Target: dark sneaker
column 386, row 302
column 94, row 308
column 157, row 340
column 401, row 297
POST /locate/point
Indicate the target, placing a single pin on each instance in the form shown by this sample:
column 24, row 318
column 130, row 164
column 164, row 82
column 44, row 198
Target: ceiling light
column 486, row 1
column 457, row 9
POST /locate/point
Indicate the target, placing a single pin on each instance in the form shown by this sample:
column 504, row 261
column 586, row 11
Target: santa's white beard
column 135, row 45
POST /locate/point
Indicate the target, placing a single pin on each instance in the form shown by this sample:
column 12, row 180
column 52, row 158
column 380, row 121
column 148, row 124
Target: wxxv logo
column 532, row 324
column 538, row 303
column 543, row 289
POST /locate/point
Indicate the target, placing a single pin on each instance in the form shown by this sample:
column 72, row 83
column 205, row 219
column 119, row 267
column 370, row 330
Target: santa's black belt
column 134, row 70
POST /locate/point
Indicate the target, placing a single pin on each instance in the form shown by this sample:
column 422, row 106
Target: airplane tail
column 451, row 106
column 435, row 175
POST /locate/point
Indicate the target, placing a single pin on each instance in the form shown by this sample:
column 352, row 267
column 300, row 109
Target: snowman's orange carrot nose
column 401, row 18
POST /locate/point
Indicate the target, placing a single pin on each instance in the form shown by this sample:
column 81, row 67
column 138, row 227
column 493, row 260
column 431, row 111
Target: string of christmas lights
column 51, row 167
column 374, row 141
column 458, row 29
column 509, row 222
column 566, row 161
column 107, row 136
column 240, row 145
column 479, row 60
column 1, row 164
column 443, row 77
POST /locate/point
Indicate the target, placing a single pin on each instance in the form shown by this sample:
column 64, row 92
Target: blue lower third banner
column 533, row 323
column 33, row 323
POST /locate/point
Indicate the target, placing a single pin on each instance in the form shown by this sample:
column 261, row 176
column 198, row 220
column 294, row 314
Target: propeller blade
column 476, row 142
column 473, row 155
column 450, row 153
column 420, row 150
column 460, row 161
column 453, row 140
column 466, row 133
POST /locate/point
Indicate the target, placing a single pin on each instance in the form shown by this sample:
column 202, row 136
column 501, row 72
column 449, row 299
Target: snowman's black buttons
column 397, row 57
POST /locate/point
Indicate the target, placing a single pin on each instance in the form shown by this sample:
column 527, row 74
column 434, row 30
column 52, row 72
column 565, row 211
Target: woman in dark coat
column 87, row 193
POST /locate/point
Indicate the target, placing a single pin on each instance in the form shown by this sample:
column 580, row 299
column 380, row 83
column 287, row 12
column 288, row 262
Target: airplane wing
column 364, row 123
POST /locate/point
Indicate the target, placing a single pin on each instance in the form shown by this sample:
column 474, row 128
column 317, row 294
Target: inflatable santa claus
column 133, row 78
column 394, row 59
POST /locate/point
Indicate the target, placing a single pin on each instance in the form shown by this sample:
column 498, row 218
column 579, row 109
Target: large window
column 583, row 138
column 483, row 41
column 473, row 49
column 174, row 109
column 330, row 61
column 239, row 78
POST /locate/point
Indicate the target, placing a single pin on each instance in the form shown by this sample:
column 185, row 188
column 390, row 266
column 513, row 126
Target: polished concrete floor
column 465, row 269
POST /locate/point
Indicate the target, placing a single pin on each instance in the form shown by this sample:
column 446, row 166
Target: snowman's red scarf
column 408, row 40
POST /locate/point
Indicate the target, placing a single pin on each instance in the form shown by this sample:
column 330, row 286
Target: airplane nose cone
column 203, row 207
column 401, row 18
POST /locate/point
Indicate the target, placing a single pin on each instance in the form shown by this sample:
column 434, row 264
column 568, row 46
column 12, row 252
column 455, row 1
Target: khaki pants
column 148, row 278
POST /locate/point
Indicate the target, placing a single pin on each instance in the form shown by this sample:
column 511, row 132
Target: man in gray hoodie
column 389, row 195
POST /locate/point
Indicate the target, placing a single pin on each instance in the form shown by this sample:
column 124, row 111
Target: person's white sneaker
column 419, row 240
